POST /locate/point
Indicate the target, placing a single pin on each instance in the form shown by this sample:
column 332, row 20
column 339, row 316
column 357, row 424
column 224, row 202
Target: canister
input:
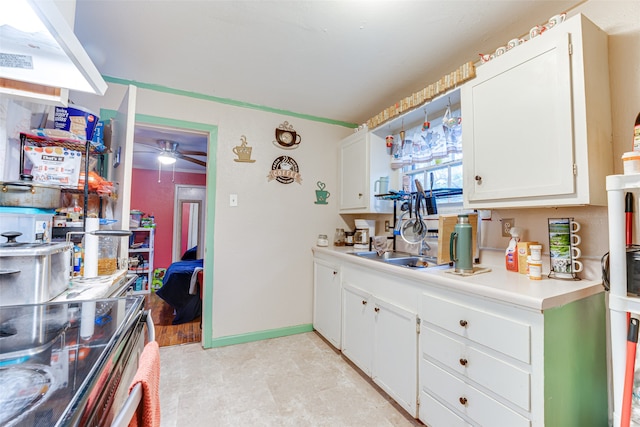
column 33, row 272
column 535, row 268
column 631, row 162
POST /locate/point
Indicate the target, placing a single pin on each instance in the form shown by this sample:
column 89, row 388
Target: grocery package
column 96, row 183
column 77, row 120
column 54, row 165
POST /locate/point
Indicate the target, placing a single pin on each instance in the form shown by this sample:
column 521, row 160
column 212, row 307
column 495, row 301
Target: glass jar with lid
column 322, row 240
column 338, row 239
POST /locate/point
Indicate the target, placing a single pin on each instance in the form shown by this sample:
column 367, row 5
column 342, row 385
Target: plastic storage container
column 33, row 223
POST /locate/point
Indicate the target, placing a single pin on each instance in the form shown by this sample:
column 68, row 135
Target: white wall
column 263, row 268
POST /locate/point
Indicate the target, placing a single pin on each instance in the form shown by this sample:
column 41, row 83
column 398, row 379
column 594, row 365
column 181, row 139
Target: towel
column 148, row 375
column 193, row 285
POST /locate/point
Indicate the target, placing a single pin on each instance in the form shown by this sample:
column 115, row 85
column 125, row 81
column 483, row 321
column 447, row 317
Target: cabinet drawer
column 497, row 332
column 434, row 414
column 467, row 400
column 500, row 377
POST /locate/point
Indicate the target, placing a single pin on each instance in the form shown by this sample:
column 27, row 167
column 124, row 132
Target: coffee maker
column 361, row 238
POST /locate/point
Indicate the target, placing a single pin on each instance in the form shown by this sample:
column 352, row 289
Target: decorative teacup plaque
column 321, row 194
column 243, row 151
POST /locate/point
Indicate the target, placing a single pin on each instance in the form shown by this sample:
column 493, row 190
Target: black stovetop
column 50, row 354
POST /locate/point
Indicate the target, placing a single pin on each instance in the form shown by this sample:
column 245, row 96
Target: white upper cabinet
column 363, row 160
column 537, row 122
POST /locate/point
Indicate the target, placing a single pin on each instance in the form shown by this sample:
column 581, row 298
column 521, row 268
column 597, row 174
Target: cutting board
column 446, row 224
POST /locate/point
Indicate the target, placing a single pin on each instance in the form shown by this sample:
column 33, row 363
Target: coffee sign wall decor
column 285, row 170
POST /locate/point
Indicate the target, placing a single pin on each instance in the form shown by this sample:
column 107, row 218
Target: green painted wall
column 575, row 377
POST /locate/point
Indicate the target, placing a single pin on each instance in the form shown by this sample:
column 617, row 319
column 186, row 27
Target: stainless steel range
column 69, row 363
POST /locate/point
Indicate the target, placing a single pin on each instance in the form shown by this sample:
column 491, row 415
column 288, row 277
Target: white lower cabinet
column 381, row 339
column 485, row 363
column 357, row 327
column 327, row 303
column 455, row 358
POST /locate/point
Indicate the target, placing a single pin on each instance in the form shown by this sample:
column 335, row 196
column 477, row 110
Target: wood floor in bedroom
column 166, row 333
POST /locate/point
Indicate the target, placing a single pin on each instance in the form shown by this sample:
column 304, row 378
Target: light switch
column 233, row 200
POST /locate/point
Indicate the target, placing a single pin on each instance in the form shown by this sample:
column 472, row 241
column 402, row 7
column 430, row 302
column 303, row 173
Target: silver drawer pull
column 463, row 362
column 463, row 401
column 463, row 323
column 8, row 271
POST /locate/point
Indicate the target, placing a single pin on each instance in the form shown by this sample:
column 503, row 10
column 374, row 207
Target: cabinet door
column 326, row 301
column 518, row 124
column 395, row 353
column 357, row 327
column 435, row 414
column 354, row 174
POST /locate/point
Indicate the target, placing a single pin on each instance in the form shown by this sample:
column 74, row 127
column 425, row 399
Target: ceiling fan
column 169, row 152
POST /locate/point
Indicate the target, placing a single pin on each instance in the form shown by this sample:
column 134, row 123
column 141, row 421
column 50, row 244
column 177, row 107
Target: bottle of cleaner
column 511, row 255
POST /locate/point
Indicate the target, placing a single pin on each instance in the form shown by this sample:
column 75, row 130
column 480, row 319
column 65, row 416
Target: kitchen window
column 433, row 156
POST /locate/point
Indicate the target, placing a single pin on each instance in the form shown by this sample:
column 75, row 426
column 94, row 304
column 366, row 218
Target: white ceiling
column 342, row 60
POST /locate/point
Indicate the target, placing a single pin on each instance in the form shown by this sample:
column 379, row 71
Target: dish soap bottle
column 511, row 255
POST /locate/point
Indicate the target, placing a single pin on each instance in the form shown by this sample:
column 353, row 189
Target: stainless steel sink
column 402, row 259
column 385, row 256
column 412, row 262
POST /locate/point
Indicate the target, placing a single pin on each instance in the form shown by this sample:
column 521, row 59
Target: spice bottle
column 348, row 238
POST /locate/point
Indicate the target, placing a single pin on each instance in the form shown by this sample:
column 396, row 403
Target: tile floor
column 298, row 380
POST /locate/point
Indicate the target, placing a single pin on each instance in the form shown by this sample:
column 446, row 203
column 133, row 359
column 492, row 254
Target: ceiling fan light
column 166, row 159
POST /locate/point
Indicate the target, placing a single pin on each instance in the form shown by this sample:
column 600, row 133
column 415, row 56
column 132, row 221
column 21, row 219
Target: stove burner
column 7, row 330
column 22, row 388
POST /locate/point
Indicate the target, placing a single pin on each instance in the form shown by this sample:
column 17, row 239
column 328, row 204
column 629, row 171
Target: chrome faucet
column 424, row 247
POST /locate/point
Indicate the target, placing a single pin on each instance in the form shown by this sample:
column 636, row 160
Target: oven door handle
column 129, row 408
column 151, row 330
column 135, row 396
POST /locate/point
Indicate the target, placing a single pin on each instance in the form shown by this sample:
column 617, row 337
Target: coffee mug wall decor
column 563, row 248
column 287, row 137
column 243, row 151
column 321, row 194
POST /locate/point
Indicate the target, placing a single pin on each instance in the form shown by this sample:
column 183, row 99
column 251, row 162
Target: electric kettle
column 460, row 245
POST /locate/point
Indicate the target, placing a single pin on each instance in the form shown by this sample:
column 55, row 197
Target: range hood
column 40, row 53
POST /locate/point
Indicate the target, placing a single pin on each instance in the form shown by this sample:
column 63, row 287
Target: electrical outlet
column 507, row 223
column 387, row 226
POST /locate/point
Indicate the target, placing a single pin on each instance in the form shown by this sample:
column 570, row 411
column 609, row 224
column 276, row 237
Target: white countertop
column 81, row 288
column 499, row 284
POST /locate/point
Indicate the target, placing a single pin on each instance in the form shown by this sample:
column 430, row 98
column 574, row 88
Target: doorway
column 155, row 136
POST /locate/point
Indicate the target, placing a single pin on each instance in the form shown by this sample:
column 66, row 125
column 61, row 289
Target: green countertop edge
column 575, row 354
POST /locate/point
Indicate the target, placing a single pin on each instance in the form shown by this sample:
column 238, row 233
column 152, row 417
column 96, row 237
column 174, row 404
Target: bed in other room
column 179, row 288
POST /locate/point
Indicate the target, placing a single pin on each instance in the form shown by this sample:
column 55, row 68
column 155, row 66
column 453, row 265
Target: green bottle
column 461, row 245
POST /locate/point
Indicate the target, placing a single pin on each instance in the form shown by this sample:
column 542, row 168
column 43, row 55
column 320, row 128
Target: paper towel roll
column 91, row 248
column 87, row 319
